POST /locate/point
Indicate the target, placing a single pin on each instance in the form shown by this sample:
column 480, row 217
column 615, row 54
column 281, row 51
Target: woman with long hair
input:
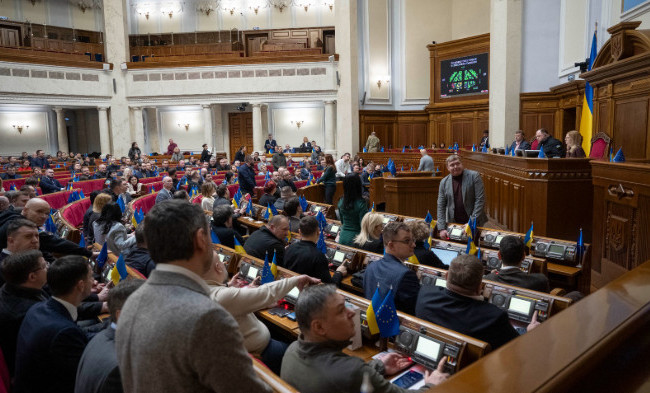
column 369, row 238
column 208, row 189
column 328, row 178
column 109, row 228
column 352, row 208
column 268, row 198
column 573, row 141
column 100, row 201
column 133, row 185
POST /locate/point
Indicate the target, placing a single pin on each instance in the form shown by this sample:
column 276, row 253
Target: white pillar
column 347, row 97
column 329, row 145
column 104, row 137
column 207, row 126
column 505, row 70
column 138, row 127
column 61, row 130
column 258, row 137
column 219, row 132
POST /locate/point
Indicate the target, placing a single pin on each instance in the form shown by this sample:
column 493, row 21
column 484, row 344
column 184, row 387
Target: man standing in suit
column 49, row 184
column 49, row 340
column 98, row 371
column 390, row 272
column 520, row 142
column 426, row 162
column 171, row 321
column 270, row 144
column 461, row 306
column 461, row 196
column 166, row 192
column 511, row 253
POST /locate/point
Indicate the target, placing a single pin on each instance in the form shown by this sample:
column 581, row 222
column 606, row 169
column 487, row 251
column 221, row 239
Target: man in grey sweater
column 171, row 336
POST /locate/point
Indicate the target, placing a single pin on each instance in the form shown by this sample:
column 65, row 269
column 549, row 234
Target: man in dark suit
column 98, row 371
column 26, row 274
column 461, row 196
column 49, row 340
column 269, row 238
column 552, row 147
column 49, row 184
column 511, row 253
column 390, row 272
column 270, row 143
column 222, row 226
column 139, row 257
column 520, row 142
column 40, row 161
column 10, row 174
column 246, row 175
column 461, row 306
column 166, row 192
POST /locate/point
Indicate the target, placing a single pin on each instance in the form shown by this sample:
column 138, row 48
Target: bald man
column 426, row 162
column 166, row 192
column 269, row 238
column 4, row 203
column 37, row 211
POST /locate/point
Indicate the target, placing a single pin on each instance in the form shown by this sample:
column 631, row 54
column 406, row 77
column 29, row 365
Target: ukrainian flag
column 268, row 215
column 370, row 312
column 587, row 115
column 528, row 239
column 372, row 209
column 119, row 272
column 471, row 248
column 215, row 238
column 413, row 259
column 274, row 266
column 238, row 247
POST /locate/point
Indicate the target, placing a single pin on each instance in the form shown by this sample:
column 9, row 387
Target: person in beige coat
column 242, row 301
column 372, row 144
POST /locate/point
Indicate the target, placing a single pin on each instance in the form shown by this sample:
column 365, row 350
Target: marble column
column 329, row 145
column 138, row 127
column 505, row 70
column 104, row 137
column 347, row 97
column 258, row 132
column 207, row 126
column 61, row 130
column 219, row 132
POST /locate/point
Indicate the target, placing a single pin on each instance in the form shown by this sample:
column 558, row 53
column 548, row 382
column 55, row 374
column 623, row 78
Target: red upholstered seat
column 58, row 199
column 232, row 189
column 145, row 203
column 300, row 183
column 599, row 146
column 148, row 180
column 534, row 144
column 74, row 213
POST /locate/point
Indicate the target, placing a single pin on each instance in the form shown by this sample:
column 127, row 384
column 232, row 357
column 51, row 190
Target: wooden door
column 240, row 126
column 9, row 37
column 254, row 43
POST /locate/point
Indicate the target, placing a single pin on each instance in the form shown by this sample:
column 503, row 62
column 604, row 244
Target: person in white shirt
column 343, row 166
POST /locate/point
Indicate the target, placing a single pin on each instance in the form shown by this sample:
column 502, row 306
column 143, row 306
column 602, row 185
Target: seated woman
column 242, row 302
column 369, row 238
column 89, row 231
column 177, row 156
column 109, row 228
column 293, row 211
column 268, row 198
column 194, row 181
column 573, row 141
column 425, row 256
column 25, row 166
column 352, row 208
column 208, row 191
column 222, row 217
column 133, row 186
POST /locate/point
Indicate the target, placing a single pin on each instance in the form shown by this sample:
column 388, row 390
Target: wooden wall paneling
column 240, row 126
column 505, row 193
column 631, row 127
column 411, row 196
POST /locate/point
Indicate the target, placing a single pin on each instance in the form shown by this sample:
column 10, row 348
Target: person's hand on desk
column 306, row 280
column 256, row 282
column 436, row 377
column 443, row 234
column 343, row 269
column 394, row 363
column 236, row 281
column 533, row 323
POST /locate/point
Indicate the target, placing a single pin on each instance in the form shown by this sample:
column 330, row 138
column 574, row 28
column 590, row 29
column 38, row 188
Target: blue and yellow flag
column 370, row 312
column 387, row 320
column 528, row 239
column 268, row 214
column 310, row 181
column 274, row 265
column 587, row 115
column 413, row 259
column 119, row 272
column 120, row 203
column 49, row 224
column 215, row 238
column 372, row 209
column 249, row 209
column 238, row 247
column 471, row 247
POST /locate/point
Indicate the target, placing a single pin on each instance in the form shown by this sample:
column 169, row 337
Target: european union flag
column 103, row 256
column 619, row 157
column 267, row 275
column 215, row 238
column 120, row 203
column 274, row 210
column 512, row 152
column 541, row 152
column 72, row 197
column 428, row 218
column 321, row 219
column 484, row 149
column 387, row 320
column 49, row 224
column 382, row 149
column 321, row 243
column 507, row 151
column 82, row 241
column 303, row 203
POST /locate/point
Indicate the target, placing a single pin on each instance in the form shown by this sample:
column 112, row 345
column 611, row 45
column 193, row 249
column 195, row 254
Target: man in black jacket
column 269, row 238
column 222, row 226
column 205, row 154
column 304, row 258
column 49, row 184
column 246, row 175
column 552, row 147
column 511, row 253
column 461, row 306
column 139, row 258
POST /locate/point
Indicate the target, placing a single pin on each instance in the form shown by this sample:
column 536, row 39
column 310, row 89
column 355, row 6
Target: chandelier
column 207, row 6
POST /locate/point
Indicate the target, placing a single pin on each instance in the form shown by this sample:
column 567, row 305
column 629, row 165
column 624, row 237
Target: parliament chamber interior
column 485, row 164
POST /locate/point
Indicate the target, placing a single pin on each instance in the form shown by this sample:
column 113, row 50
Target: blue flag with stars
column 321, row 243
column 120, row 203
column 303, row 203
column 321, row 219
column 541, row 152
column 215, row 238
column 267, row 275
column 387, row 320
column 103, row 256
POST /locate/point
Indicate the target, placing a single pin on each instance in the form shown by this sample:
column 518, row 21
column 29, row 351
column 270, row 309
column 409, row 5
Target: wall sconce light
column 20, row 127
column 207, row 6
column 146, row 15
column 170, row 14
column 384, row 80
column 255, row 9
column 298, row 123
column 329, row 4
column 84, row 5
column 305, row 6
column 186, row 125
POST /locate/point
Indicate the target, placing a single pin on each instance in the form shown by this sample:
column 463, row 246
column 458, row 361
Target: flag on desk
column 387, row 320
column 310, row 180
column 404, row 149
column 137, row 217
column 382, row 149
column 268, row 214
column 541, row 152
column 611, row 154
column 321, row 242
column 274, row 265
column 322, row 221
column 473, row 147
column 119, row 271
column 82, row 241
column 215, row 238
column 428, row 218
column 484, row 149
column 371, row 318
column 413, row 259
column 103, row 256
column 619, row 157
column 303, row 203
column 586, row 117
column 267, row 275
column 512, row 152
column 153, row 190
column 49, row 224
column 372, row 209
column 249, row 209
column 507, row 150
column 120, row 203
column 238, row 247
column 580, row 248
column 471, row 247
column 365, row 149
column 528, row 239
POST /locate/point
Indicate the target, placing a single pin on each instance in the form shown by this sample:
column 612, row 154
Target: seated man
column 49, row 340
column 22, row 235
column 303, row 257
column 552, row 147
column 511, row 253
column 243, row 302
column 49, row 184
column 26, row 274
column 316, row 363
column 139, row 258
column 269, row 239
column 10, row 174
column 166, row 192
column 286, row 193
column 461, row 306
column 222, row 217
column 98, row 370
column 520, row 142
column 390, row 272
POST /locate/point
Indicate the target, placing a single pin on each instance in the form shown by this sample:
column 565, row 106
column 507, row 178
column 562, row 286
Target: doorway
column 240, row 125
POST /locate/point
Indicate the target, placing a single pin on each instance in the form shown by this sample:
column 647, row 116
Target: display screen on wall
column 629, row 4
column 463, row 76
